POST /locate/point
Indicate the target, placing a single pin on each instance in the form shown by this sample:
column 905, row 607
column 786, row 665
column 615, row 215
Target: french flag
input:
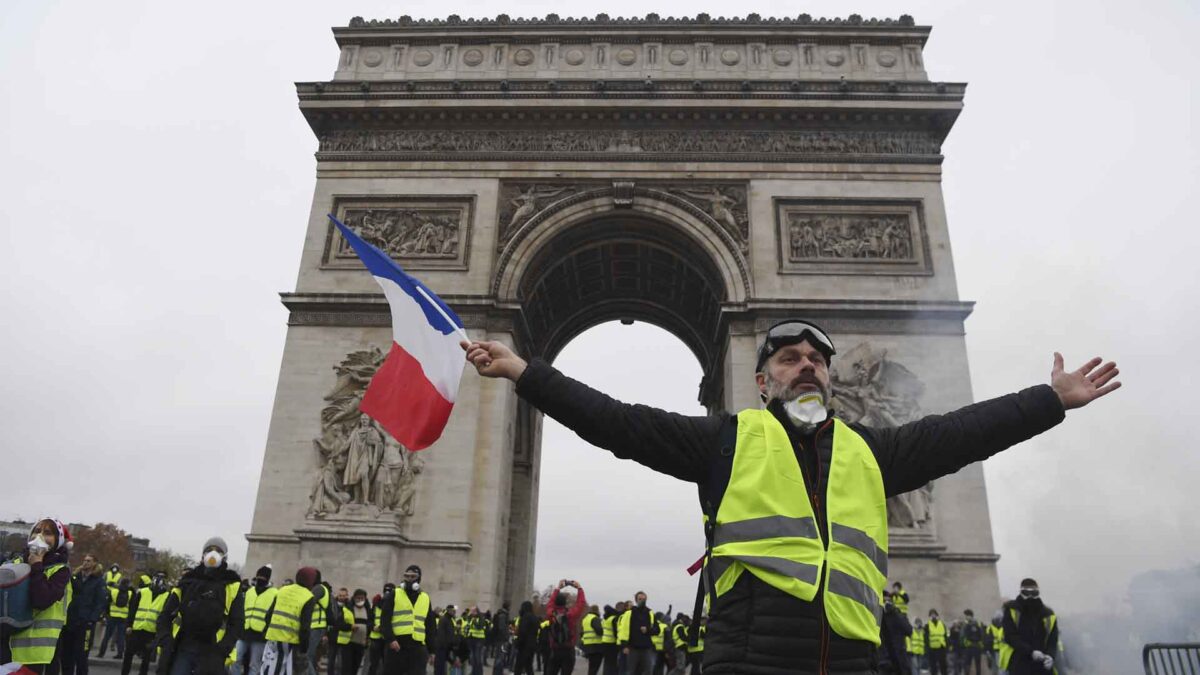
column 413, row 392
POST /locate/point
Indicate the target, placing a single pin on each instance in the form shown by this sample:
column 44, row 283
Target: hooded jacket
column 754, row 628
column 201, row 582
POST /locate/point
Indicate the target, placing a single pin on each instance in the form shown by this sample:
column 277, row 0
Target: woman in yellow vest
column 289, row 621
column 203, row 617
column 359, row 614
column 49, row 594
column 795, row 499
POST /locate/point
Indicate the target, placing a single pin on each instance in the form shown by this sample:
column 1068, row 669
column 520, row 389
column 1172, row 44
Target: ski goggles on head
column 787, row 333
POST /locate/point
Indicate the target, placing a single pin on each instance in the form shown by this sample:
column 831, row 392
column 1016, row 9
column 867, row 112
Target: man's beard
column 778, row 390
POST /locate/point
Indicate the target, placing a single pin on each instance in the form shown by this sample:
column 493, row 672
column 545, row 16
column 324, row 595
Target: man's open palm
column 1080, row 387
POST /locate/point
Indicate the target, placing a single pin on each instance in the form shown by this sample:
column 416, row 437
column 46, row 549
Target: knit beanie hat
column 307, row 576
column 218, row 542
column 264, row 572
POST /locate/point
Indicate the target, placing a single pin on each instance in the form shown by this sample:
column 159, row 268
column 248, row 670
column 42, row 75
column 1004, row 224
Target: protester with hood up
column 815, row 605
column 1030, row 633
column 894, row 633
column 89, row 601
column 144, row 610
column 257, row 602
column 289, row 619
column 527, row 637
column 49, row 595
column 120, row 598
column 376, row 649
column 210, row 607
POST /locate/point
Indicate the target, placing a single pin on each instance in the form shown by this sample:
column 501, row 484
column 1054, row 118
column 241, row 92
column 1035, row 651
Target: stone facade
column 710, row 176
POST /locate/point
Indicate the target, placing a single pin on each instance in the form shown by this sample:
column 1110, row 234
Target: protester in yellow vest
column 49, row 595
column 144, row 610
column 635, row 632
column 679, row 639
column 258, row 600
column 591, row 639
column 916, row 647
column 376, row 649
column 403, row 627
column 936, row 639
column 120, row 599
column 794, row 498
column 112, row 578
column 995, row 638
column 204, row 615
column 323, row 596
column 900, row 597
column 289, row 620
column 357, row 638
column 1030, row 627
column 609, row 638
column 695, row 651
column 341, row 623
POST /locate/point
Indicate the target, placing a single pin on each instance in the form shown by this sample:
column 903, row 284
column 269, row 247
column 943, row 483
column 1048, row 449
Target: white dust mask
column 213, row 559
column 807, row 409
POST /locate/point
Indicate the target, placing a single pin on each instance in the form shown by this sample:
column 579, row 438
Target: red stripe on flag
column 405, row 402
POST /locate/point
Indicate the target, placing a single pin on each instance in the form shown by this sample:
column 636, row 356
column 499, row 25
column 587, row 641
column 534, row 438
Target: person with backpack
column 208, row 603
column 563, row 628
column 972, row 643
column 120, row 598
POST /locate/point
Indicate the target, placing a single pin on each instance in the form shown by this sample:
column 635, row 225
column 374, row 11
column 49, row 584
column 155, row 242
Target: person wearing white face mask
column 794, row 499
column 209, row 603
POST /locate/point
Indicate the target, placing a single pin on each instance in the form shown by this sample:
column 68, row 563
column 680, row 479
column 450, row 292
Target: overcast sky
column 157, row 180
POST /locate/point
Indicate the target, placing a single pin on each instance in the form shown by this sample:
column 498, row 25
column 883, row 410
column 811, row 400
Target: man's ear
column 761, row 380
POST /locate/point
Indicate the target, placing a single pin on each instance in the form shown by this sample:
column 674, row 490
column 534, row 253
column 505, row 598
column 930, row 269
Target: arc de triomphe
column 710, row 176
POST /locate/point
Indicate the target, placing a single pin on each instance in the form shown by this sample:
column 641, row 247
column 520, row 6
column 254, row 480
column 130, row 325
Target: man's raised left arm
column 913, row 454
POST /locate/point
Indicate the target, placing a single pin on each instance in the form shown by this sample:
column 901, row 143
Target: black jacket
column 199, row 601
column 89, row 599
column 755, row 629
column 1029, row 635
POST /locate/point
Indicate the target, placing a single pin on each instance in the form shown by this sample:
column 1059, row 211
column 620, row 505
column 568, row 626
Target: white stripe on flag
column 439, row 355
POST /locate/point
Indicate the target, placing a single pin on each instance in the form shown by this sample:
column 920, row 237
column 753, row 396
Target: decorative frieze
column 851, row 237
column 420, row 232
column 645, row 144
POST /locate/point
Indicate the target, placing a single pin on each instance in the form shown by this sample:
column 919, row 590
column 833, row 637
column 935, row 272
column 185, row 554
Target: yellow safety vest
column 112, row 579
column 478, row 627
column 610, row 631
column 36, row 644
column 285, row 617
column 1006, row 650
column 659, row 639
column 256, row 607
column 343, row 636
column 699, row 646
column 900, row 602
column 588, row 635
column 231, row 592
column 408, row 617
column 765, row 525
column 916, row 642
column 997, row 633
column 679, row 635
column 149, row 607
column 937, row 634
column 115, row 611
column 377, row 612
column 320, row 612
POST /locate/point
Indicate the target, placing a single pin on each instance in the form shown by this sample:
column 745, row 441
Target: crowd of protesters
column 211, row 621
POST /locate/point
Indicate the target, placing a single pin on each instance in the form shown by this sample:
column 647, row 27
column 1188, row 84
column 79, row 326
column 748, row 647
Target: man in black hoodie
column 526, row 643
column 1031, row 631
column 208, row 602
column 777, row 618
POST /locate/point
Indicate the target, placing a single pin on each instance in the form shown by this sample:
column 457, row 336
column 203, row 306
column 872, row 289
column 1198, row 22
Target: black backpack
column 560, row 630
column 202, row 609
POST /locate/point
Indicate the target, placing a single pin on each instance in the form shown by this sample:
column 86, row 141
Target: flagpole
column 457, row 328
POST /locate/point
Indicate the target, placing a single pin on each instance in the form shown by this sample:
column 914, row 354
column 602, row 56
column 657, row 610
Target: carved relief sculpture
column 360, row 465
column 872, row 237
column 871, row 389
column 726, row 205
column 421, row 232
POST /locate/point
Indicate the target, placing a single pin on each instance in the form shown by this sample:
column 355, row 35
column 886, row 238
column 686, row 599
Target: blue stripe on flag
column 380, row 265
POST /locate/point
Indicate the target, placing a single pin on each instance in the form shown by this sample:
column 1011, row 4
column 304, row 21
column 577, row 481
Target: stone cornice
column 652, row 19
column 585, row 87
